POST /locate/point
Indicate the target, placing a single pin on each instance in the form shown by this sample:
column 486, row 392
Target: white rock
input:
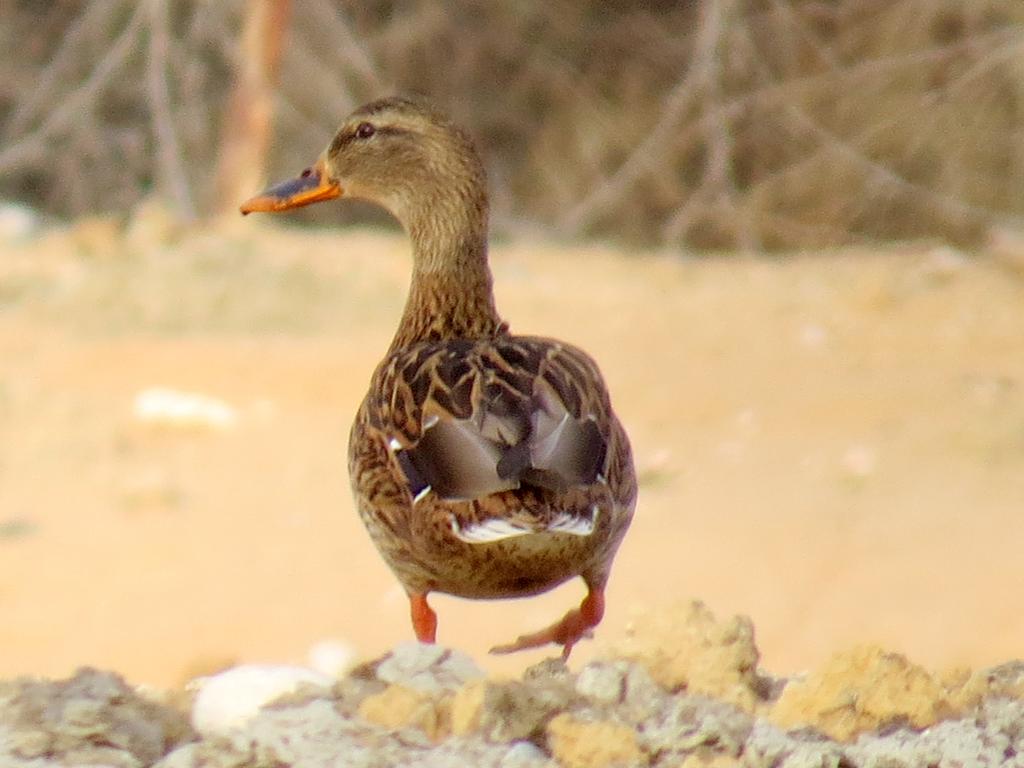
column 227, row 701
column 165, row 407
column 524, row 754
column 331, row 657
column 17, row 222
column 601, row 682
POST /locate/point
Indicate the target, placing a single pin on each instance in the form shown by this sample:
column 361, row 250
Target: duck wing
column 466, row 419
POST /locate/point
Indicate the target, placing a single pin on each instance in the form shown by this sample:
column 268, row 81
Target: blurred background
column 759, row 125
column 790, row 231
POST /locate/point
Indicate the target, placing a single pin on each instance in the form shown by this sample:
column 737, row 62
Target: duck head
column 400, row 154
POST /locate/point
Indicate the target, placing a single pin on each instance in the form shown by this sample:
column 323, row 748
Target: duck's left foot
column 576, row 624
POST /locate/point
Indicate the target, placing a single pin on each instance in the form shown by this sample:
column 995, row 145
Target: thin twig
column 581, row 216
column 718, row 184
column 45, row 87
column 646, row 156
column 169, row 162
column 348, row 45
column 887, row 177
column 32, row 147
column 1012, row 50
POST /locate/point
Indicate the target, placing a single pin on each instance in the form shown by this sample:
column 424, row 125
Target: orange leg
column 575, row 625
column 424, row 620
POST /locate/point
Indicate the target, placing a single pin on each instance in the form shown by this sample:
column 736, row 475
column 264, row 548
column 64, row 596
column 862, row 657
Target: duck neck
column 451, row 295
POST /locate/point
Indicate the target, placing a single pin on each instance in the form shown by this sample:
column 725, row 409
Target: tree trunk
column 248, row 121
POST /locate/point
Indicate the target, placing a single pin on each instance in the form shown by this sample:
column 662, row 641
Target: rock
column 187, row 756
column 92, row 718
column 227, row 701
column 612, row 713
column 1005, row 717
column 468, row 707
column 695, row 724
column 314, row 734
column 18, row 222
column 602, row 683
column 643, row 697
column 166, row 408
column 310, row 735
column 524, row 754
column 579, row 744
column 506, row 711
column 862, row 690
column 702, row 760
column 623, row 686
column 990, row 738
column 428, row 668
column 769, row 747
column 331, row 657
column 1006, row 680
column 399, row 707
column 685, row 647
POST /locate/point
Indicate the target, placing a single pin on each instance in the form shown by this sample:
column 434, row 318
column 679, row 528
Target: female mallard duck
column 484, row 465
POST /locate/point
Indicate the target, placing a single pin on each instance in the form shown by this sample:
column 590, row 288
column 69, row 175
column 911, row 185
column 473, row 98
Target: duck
column 483, row 464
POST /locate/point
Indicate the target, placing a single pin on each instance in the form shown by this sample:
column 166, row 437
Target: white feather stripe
column 577, row 525
column 497, row 529
column 494, row 529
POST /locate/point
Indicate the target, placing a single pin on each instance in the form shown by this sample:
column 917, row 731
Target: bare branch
column 724, row 123
column 886, row 177
column 646, row 156
column 170, row 165
column 348, row 46
column 643, row 158
column 45, row 87
column 32, row 147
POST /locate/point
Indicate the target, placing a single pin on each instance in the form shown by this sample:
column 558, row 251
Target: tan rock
column 579, row 744
column 467, row 707
column 964, row 688
column 701, row 760
column 400, row 707
column 684, row 646
column 861, row 690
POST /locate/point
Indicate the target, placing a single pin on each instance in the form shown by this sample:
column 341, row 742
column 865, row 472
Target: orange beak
column 311, row 186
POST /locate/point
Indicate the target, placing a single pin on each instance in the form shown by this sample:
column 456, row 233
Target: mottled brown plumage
column 484, row 465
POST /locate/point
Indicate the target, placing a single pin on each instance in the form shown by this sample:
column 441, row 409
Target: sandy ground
column 831, row 444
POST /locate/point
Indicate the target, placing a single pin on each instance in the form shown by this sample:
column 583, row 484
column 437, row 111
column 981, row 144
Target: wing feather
column 481, row 418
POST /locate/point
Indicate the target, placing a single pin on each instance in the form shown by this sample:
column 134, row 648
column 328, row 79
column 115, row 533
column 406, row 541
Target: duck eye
column 365, row 130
